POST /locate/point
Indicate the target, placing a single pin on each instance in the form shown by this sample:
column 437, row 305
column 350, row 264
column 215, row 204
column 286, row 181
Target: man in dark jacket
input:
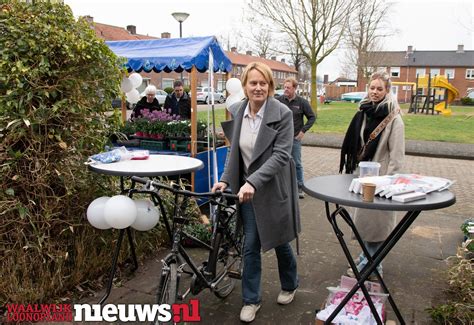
column 178, row 101
column 300, row 108
column 148, row 101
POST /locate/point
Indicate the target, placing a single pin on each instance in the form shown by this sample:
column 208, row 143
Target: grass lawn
column 335, row 118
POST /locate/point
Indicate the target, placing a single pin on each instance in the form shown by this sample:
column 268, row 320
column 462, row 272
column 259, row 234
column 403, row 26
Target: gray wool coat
column 271, row 172
column 376, row 225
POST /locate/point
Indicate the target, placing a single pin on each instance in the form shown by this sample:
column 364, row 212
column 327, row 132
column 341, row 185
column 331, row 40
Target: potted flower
column 128, row 128
column 158, row 129
column 140, row 126
column 201, row 129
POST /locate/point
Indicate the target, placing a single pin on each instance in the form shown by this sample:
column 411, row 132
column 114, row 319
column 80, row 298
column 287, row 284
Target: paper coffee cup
column 368, row 192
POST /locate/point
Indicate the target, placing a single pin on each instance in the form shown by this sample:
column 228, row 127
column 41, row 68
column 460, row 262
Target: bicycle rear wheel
column 219, row 263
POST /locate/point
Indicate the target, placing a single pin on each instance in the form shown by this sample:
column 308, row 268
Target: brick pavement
column 413, row 270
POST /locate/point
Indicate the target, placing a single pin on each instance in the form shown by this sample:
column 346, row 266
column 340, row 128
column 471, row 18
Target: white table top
column 155, row 165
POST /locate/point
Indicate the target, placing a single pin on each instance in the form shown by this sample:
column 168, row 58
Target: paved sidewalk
column 418, row 148
column 413, row 270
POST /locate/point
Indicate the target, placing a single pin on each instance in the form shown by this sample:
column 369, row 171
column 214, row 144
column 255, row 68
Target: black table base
column 373, row 261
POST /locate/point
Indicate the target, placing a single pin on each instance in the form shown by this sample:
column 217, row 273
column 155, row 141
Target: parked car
column 117, row 103
column 353, row 97
column 279, row 92
column 160, row 96
column 202, row 95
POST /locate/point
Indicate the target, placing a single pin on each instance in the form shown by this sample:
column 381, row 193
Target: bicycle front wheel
column 167, row 290
column 219, row 263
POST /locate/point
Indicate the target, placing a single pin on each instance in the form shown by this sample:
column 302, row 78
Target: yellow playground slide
column 452, row 92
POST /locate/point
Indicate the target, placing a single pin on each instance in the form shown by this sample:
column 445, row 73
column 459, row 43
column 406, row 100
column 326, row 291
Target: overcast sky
column 425, row 24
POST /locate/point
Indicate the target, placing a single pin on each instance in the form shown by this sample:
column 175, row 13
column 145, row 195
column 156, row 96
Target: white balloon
column 136, row 80
column 233, row 86
column 241, row 93
column 120, row 211
column 147, row 215
column 95, row 213
column 126, row 85
column 133, row 96
column 232, row 99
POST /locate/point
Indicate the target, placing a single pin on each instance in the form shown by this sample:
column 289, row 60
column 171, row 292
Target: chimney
column 283, row 60
column 326, row 79
column 132, row 29
column 460, row 48
column 165, row 35
column 248, row 53
column 274, row 58
column 233, row 49
column 410, row 49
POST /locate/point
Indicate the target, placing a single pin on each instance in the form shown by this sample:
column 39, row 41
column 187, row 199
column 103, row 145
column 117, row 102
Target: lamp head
column 180, row 16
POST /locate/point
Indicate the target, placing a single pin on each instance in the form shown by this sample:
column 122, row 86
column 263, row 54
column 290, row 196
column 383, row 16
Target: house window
column 166, row 82
column 395, row 91
column 469, row 73
column 395, row 72
column 449, row 73
column 435, row 72
column 221, row 85
column 420, row 72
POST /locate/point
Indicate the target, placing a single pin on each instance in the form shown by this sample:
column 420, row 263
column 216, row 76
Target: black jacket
column 300, row 108
column 142, row 103
column 181, row 107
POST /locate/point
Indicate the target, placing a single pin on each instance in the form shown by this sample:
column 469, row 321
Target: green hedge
column 57, row 80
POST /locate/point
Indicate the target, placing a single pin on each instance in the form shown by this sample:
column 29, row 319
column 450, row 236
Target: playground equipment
column 438, row 95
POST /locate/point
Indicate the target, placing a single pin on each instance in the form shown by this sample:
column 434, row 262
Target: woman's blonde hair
column 264, row 70
column 389, row 99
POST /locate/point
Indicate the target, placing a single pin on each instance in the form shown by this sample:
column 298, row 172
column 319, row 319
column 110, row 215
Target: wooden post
column 124, row 109
column 227, row 113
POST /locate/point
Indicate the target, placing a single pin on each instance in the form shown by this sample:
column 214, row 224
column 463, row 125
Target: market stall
column 195, row 54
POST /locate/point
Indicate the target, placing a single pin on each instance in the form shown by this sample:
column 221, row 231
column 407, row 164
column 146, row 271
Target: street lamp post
column 180, row 17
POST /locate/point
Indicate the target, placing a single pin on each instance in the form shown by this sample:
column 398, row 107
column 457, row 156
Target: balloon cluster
column 129, row 85
column 120, row 212
column 234, row 88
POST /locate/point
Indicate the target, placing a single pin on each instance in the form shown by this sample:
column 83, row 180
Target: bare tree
column 316, row 26
column 261, row 39
column 365, row 32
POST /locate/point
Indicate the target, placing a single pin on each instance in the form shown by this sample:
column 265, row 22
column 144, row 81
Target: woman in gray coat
column 388, row 148
column 260, row 170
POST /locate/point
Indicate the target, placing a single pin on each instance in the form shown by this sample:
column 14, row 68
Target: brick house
column 163, row 80
column 280, row 69
column 404, row 66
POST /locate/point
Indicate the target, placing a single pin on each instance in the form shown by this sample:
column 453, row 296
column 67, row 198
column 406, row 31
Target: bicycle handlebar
column 149, row 182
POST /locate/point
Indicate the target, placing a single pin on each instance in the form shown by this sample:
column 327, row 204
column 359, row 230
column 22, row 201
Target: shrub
column 169, row 90
column 56, row 82
column 460, row 294
column 467, row 101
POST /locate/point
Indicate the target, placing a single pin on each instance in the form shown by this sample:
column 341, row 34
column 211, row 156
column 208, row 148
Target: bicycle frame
column 176, row 234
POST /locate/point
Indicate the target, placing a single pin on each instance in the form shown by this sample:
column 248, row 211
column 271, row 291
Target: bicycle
column 223, row 266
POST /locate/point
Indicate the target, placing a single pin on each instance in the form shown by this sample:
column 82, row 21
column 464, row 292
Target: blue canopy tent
column 172, row 54
column 176, row 54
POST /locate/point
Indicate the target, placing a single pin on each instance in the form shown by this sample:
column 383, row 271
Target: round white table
column 155, row 165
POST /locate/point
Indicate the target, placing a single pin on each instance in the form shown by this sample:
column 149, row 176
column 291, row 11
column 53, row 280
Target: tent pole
column 193, row 117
